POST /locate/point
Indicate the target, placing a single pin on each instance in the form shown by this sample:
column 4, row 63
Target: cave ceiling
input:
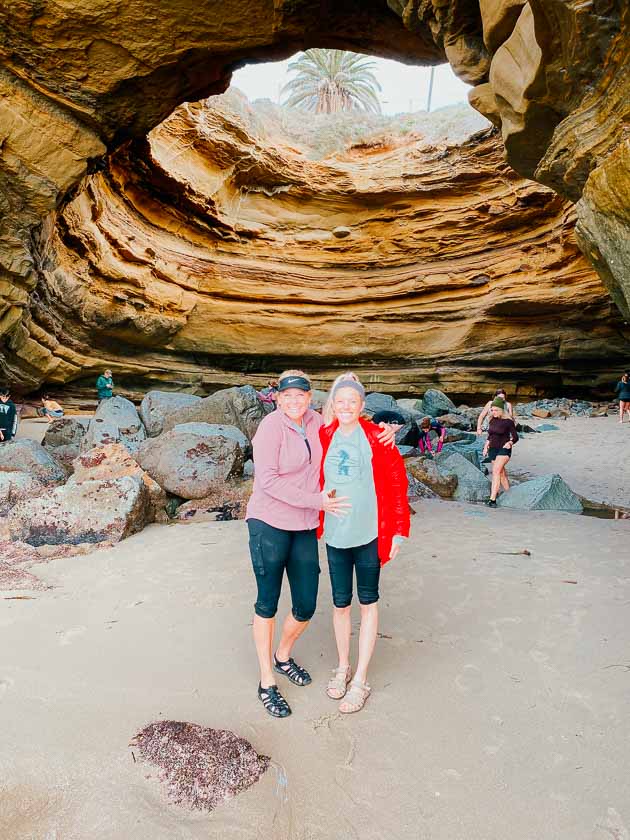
column 113, row 251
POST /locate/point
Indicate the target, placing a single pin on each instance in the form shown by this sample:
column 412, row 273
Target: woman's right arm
column 482, row 417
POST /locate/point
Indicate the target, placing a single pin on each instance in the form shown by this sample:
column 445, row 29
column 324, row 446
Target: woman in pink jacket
column 282, row 518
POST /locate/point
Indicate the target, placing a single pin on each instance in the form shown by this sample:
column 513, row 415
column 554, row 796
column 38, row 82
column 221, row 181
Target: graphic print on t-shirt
column 345, row 461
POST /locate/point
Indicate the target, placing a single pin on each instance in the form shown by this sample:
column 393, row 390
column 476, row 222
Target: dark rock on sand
column 547, row 492
column 156, row 405
column 426, row 470
column 115, row 421
column 238, row 407
column 192, row 463
column 435, row 403
column 27, row 456
column 199, row 767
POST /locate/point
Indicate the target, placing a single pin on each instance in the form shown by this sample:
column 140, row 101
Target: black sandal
column 297, row 675
column 273, row 701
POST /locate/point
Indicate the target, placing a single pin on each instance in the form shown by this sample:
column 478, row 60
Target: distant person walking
column 8, row 416
column 428, row 425
column 359, row 467
column 51, row 408
column 622, row 391
column 105, row 385
column 502, row 435
column 282, row 519
column 509, row 411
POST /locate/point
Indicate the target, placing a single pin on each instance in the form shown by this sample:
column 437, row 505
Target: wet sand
column 500, row 683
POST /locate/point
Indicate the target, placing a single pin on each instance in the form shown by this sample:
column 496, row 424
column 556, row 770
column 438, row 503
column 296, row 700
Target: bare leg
column 291, row 632
column 263, row 630
column 498, row 465
column 342, row 623
column 367, row 639
column 621, row 406
column 505, row 482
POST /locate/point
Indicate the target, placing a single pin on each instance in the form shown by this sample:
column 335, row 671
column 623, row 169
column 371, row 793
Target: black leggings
column 273, row 550
column 364, row 560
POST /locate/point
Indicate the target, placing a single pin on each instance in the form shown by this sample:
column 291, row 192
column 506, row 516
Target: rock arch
column 79, row 80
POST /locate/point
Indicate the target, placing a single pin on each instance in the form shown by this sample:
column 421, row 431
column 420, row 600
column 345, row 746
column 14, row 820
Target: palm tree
column 329, row 81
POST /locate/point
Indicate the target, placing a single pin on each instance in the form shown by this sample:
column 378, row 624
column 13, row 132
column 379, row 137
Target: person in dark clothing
column 397, row 421
column 428, row 425
column 502, row 435
column 105, row 385
column 622, row 391
column 8, row 416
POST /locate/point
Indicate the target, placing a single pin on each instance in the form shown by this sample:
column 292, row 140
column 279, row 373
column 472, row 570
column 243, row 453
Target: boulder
column 413, row 407
column 65, row 431
column 457, row 421
column 435, row 403
column 115, row 421
column 15, row 487
column 228, row 502
column 547, row 492
column 238, row 407
column 248, row 469
column 470, row 449
column 191, row 464
column 107, row 510
column 602, row 411
column 407, row 451
column 211, row 429
column 27, row 456
column 380, row 402
column 64, row 437
column 547, row 427
column 426, row 470
column 541, row 412
column 417, row 490
column 157, row 404
column 472, row 484
column 104, row 463
column 318, row 399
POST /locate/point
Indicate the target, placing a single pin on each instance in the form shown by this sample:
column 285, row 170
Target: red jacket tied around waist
column 390, row 483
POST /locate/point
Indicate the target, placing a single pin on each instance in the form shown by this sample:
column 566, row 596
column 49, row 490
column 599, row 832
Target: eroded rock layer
column 204, row 253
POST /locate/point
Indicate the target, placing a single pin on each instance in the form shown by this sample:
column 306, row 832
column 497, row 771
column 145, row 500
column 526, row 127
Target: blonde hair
column 328, row 413
column 295, row 373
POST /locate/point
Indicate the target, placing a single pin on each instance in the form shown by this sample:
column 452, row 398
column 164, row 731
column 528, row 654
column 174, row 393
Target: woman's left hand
column 388, row 435
column 395, row 551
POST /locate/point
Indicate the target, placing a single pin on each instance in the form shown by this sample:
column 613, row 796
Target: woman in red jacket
column 356, row 465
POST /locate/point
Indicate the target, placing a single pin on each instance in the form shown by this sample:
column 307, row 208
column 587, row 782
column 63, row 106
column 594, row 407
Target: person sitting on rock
column 51, row 409
column 622, row 391
column 502, row 435
column 509, row 411
column 8, row 416
column 105, row 385
column 428, row 425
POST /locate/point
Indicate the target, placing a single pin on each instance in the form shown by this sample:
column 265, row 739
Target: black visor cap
column 294, row 382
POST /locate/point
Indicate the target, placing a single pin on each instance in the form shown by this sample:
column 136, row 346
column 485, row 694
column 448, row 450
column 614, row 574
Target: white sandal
column 338, row 683
column 356, row 696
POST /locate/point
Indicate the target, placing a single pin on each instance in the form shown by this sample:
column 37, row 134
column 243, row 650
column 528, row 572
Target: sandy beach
column 500, row 682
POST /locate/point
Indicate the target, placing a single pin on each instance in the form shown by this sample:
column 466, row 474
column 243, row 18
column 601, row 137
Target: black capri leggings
column 273, row 550
column 363, row 559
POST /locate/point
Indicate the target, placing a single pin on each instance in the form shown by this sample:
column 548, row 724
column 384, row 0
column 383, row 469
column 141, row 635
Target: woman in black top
column 502, row 435
column 623, row 392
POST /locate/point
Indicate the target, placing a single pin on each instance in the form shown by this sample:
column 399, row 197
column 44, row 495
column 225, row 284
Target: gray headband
column 350, row 383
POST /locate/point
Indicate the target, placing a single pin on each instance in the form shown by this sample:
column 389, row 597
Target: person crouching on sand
column 282, row 518
column 502, row 435
column 358, row 466
column 51, row 409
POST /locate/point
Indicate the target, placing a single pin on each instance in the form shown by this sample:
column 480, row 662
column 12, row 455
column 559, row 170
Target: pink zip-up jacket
column 286, row 479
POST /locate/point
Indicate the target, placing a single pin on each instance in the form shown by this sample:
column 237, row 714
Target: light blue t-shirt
column 348, row 469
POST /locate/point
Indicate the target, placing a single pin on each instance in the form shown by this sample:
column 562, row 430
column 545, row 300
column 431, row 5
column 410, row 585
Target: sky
column 404, row 88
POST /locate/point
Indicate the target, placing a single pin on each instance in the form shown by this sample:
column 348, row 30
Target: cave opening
column 243, row 236
column 175, row 255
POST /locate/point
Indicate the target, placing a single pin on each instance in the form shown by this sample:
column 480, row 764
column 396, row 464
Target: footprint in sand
column 469, row 680
column 66, row 637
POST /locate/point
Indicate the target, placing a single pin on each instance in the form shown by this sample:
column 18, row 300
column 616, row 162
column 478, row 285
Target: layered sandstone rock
column 209, row 250
column 80, row 78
